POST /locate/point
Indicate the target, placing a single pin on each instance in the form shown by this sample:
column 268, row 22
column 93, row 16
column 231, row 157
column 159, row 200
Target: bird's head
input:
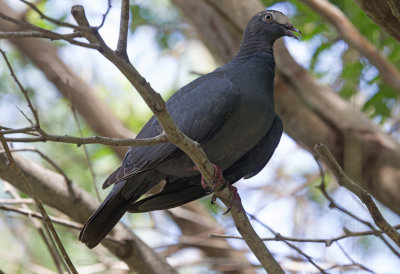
column 266, row 27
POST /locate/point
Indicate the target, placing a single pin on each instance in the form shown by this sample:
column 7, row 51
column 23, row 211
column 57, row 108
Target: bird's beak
column 289, row 28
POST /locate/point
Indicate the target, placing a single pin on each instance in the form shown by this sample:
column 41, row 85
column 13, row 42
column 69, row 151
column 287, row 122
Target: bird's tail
column 106, row 217
column 174, row 193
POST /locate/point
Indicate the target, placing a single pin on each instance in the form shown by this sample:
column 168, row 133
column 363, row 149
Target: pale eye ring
column 267, row 18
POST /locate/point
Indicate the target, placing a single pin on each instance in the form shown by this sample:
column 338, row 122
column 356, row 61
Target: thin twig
column 333, row 204
column 298, row 250
column 35, row 34
column 23, row 90
column 90, row 140
column 26, row 117
column 43, row 231
column 52, row 20
column 326, row 241
column 104, row 15
column 362, row 194
column 123, row 30
column 25, row 130
column 49, row 34
column 44, row 156
column 89, row 162
column 17, row 201
column 39, row 204
column 37, row 215
column 351, row 259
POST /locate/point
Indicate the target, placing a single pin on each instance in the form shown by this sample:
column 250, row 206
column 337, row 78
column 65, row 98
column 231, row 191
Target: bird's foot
column 220, row 184
column 218, row 180
column 235, row 198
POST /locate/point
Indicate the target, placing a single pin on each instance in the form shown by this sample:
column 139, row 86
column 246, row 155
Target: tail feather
column 174, row 194
column 105, row 218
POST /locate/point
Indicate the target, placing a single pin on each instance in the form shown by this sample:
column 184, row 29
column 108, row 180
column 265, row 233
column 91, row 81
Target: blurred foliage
column 356, row 77
column 163, row 16
column 353, row 79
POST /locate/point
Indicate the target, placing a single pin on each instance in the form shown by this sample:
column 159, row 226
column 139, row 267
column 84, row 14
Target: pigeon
column 229, row 112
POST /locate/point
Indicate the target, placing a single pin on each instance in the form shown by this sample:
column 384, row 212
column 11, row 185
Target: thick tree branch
column 76, row 203
column 355, row 39
column 340, row 123
column 381, row 13
column 395, row 7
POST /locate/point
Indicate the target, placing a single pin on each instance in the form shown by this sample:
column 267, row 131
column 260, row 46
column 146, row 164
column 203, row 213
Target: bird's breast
column 245, row 125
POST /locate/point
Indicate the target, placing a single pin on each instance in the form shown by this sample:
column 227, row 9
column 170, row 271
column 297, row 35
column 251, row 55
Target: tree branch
column 343, row 180
column 37, row 215
column 44, row 55
column 32, row 193
column 22, row 89
column 395, row 7
column 76, row 203
column 326, row 241
column 42, row 230
column 52, row 20
column 36, row 34
column 355, row 39
column 44, row 137
column 123, row 30
column 47, row 33
column 382, row 14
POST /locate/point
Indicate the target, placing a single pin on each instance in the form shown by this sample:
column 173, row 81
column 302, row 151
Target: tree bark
column 67, row 197
column 385, row 13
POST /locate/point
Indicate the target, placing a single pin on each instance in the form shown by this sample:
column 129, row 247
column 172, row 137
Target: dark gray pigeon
column 229, row 111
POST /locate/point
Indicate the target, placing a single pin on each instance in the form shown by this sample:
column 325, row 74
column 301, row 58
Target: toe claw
column 213, row 199
column 219, row 184
column 227, row 210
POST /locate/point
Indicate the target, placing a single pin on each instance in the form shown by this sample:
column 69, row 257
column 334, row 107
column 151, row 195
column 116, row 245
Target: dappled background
column 170, row 50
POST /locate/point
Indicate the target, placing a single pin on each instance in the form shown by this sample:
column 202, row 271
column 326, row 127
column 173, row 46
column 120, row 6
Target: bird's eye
column 267, row 17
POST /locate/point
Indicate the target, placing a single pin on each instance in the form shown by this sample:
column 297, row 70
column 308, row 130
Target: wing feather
column 199, row 109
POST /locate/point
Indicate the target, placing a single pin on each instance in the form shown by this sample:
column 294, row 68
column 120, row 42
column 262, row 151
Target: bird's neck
column 259, row 61
column 250, row 48
column 251, row 44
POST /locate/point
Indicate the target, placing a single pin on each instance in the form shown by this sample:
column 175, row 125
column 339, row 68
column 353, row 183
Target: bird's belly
column 242, row 131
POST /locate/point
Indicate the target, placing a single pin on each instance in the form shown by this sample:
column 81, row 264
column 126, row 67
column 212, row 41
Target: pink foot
column 219, row 184
column 235, row 197
column 218, row 179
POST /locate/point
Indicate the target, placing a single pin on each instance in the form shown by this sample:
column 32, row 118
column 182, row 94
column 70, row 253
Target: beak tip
column 290, row 29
